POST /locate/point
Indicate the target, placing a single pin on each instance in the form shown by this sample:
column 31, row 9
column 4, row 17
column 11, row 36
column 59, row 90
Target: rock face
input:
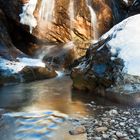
column 113, row 62
column 13, row 62
column 60, row 20
column 7, row 49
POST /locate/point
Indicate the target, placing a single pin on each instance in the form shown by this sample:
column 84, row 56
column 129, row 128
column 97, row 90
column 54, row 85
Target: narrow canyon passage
column 69, row 70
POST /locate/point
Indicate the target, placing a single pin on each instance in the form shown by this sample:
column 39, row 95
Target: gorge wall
column 36, row 23
column 59, row 21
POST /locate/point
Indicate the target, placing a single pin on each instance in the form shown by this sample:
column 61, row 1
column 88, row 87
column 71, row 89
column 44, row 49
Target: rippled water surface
column 40, row 110
column 54, row 94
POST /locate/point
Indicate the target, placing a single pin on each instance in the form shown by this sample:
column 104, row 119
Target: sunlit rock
column 36, row 73
column 61, row 20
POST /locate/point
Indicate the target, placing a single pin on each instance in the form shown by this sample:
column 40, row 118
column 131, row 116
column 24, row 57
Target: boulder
column 30, row 74
column 58, row 56
column 23, row 70
column 112, row 64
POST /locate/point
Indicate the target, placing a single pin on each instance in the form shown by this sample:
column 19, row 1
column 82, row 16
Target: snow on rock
column 11, row 67
column 27, row 17
column 126, row 1
column 125, row 43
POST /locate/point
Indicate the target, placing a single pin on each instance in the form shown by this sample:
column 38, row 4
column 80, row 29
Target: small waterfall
column 60, row 74
column 71, row 14
column 93, row 19
column 46, row 10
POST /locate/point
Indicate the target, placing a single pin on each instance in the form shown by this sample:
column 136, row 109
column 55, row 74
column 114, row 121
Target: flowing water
column 71, row 14
column 93, row 20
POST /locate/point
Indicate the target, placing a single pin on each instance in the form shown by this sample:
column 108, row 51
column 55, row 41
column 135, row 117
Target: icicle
column 46, row 10
column 71, row 13
column 27, row 17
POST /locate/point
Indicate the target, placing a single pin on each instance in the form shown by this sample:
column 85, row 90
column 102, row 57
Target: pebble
column 124, row 118
column 97, row 138
column 92, row 102
column 138, row 131
column 130, row 120
column 101, row 129
column 116, row 125
column 113, row 139
column 122, row 124
column 126, row 113
column 120, row 134
column 105, row 136
column 78, row 130
column 132, row 131
column 113, row 112
column 125, row 138
column 112, row 121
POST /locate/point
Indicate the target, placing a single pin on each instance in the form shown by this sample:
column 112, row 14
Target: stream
column 40, row 110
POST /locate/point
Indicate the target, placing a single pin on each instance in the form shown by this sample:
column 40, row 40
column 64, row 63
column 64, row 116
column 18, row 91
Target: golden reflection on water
column 55, row 94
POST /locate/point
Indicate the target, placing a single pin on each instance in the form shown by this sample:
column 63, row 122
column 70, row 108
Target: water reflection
column 54, row 94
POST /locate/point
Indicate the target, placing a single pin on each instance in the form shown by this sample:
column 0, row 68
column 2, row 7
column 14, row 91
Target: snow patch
column 27, row 17
column 126, row 1
column 12, row 67
column 125, row 42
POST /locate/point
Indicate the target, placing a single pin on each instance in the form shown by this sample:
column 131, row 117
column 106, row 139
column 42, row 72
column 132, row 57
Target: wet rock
column 100, row 71
column 36, row 73
column 78, row 130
